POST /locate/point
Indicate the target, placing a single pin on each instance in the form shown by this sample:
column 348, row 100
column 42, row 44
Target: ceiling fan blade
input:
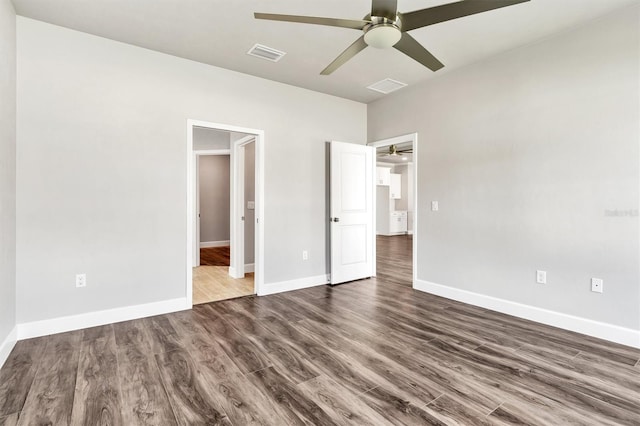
column 410, row 47
column 331, row 22
column 349, row 53
column 385, row 8
column 446, row 12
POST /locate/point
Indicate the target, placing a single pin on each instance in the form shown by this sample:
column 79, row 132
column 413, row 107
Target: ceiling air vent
column 264, row 52
column 387, row 85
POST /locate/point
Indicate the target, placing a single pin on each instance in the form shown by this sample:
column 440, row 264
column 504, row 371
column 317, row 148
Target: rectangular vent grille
column 387, row 85
column 264, row 52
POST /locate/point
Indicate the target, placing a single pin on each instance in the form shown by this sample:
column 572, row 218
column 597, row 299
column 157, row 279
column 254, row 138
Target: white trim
column 212, row 151
column 207, row 244
column 249, row 267
column 93, row 319
column 610, row 332
column 7, row 345
column 190, row 199
column 245, row 140
column 374, row 221
column 300, row 283
column 413, row 138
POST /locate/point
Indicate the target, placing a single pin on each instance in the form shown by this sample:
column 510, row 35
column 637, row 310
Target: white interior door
column 196, row 240
column 352, row 212
column 236, row 266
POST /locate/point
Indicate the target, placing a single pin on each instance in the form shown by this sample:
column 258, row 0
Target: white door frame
column 259, row 203
column 196, row 164
column 411, row 137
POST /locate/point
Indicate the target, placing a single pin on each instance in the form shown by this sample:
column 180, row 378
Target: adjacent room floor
column 371, row 352
column 211, row 280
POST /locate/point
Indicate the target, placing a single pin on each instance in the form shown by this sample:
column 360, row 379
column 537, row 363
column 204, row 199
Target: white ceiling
column 220, row 32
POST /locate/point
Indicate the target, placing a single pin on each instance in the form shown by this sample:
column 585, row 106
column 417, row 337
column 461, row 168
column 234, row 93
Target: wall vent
column 264, row 52
column 387, row 85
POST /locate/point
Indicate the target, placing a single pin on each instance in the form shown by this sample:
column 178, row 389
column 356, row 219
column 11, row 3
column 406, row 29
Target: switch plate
column 251, row 205
column 541, row 277
column 434, row 206
column 305, row 255
column 81, row 280
column 597, row 285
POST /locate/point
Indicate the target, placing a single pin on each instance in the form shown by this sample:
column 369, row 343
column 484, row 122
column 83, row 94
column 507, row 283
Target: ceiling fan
column 385, row 27
column 394, row 151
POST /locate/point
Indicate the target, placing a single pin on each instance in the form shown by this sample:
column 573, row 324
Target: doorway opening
column 224, row 207
column 396, row 200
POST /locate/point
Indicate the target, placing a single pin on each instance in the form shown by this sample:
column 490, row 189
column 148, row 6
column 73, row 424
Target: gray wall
column 526, row 153
column 213, row 177
column 106, row 161
column 206, row 138
column 249, row 195
column 7, row 168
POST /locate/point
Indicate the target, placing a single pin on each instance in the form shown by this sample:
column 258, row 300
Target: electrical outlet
column 541, row 277
column 597, row 285
column 81, row 280
column 305, row 255
column 434, row 206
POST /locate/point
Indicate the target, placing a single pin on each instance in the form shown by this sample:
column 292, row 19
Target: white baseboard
column 205, row 244
column 93, row 319
column 610, row 332
column 249, row 267
column 7, row 345
column 300, row 283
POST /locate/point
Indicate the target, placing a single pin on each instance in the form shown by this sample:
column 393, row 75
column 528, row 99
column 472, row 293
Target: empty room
column 373, row 212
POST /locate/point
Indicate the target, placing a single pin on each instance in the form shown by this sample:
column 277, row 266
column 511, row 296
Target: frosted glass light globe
column 382, row 36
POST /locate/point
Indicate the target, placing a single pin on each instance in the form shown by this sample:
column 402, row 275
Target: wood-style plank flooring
column 213, row 283
column 215, row 256
column 211, row 280
column 372, row 352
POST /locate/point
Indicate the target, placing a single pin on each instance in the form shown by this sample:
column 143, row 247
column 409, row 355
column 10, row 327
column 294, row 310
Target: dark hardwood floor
column 215, row 256
column 372, row 352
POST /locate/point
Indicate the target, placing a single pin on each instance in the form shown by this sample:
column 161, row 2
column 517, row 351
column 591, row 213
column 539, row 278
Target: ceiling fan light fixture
column 382, row 36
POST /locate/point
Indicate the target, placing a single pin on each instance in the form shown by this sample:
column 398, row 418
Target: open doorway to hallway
column 214, row 276
column 395, row 208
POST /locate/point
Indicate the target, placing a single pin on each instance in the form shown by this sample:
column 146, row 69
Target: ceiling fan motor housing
column 382, row 32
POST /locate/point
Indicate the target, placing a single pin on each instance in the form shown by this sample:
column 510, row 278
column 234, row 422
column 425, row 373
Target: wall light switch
column 251, row 205
column 434, row 206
